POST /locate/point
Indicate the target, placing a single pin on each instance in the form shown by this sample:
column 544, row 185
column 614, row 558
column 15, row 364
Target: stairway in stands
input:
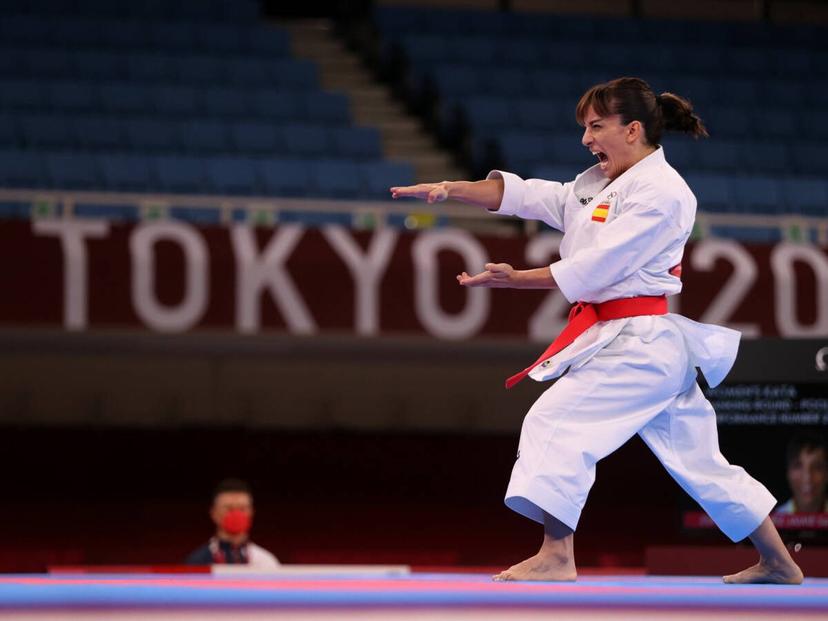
column 403, row 137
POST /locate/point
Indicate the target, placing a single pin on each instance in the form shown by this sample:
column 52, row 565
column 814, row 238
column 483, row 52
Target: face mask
column 236, row 522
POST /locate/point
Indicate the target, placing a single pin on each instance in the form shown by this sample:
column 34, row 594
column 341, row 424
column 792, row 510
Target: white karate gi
column 632, row 375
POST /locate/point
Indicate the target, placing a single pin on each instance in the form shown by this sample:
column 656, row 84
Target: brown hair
column 634, row 100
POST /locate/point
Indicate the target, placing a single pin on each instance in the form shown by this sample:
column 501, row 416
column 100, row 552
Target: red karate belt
column 586, row 314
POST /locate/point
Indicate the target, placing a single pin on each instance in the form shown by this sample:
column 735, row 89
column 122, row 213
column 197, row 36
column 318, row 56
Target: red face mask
column 236, row 522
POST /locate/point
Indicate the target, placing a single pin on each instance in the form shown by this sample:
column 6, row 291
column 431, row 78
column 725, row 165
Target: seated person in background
column 807, row 474
column 232, row 513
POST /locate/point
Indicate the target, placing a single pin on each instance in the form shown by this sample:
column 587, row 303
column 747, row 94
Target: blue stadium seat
column 143, row 67
column 291, row 74
column 29, row 30
column 561, row 173
column 712, row 191
column 256, row 137
column 99, row 133
column 172, row 36
column 767, row 157
column 488, row 113
column 22, row 95
column 728, row 122
column 125, row 98
column 522, row 150
column 543, row 114
column 376, row 177
column 810, row 159
column 220, row 39
column 46, row 63
column 724, row 155
column 226, row 102
column 119, row 34
column 336, row 178
column 330, row 108
column 268, row 41
column 303, row 140
column 757, row 195
column 277, row 105
column 70, row 96
column 8, row 131
column 285, row 177
column 806, row 196
column 567, row 149
column 504, row 81
column 233, row 175
column 680, row 152
column 360, row 143
column 181, row 174
column 72, row 171
column 775, row 123
column 152, row 135
column 46, row 131
column 21, row 169
column 205, row 136
column 471, row 49
column 181, row 101
column 98, row 65
column 551, row 85
column 199, row 70
column 126, row 173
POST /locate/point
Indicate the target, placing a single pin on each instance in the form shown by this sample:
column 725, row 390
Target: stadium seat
column 360, row 143
column 8, row 132
column 376, row 177
column 172, row 36
column 98, row 65
column 21, row 169
column 127, row 173
column 302, row 140
column 99, row 133
column 277, row 105
column 72, row 171
column 125, row 98
column 806, row 196
column 233, row 175
column 204, row 136
column 336, row 178
column 24, row 95
column 257, row 138
column 156, row 68
column 181, row 174
column 226, row 102
column 152, row 135
column 712, row 191
column 756, row 195
column 332, row 108
column 70, row 96
column 181, row 101
column 193, row 70
column 49, row 131
column 285, row 177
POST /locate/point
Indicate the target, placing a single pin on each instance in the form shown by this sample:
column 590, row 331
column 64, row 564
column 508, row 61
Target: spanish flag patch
column 600, row 213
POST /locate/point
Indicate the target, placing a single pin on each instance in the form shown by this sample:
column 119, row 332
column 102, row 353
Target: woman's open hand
column 496, row 276
column 429, row 192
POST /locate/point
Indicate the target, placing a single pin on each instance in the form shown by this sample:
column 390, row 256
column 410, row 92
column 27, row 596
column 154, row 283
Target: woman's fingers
column 431, row 192
column 496, row 275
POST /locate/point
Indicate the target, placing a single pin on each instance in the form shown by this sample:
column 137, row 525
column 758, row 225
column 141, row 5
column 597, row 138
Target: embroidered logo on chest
column 600, row 213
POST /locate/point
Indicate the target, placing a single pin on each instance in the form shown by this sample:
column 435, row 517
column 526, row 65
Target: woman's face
column 610, row 141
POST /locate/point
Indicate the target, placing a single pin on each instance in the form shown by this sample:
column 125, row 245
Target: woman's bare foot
column 541, row 567
column 765, row 573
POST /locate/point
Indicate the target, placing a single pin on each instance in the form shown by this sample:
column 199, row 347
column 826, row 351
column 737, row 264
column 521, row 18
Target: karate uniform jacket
column 620, row 240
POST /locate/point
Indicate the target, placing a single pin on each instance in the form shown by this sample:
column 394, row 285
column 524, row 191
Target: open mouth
column 602, row 157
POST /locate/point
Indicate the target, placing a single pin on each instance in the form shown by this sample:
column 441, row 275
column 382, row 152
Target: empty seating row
column 331, row 178
column 213, row 10
column 455, row 81
column 394, row 22
column 739, row 194
column 218, row 38
column 156, row 68
column 630, row 58
column 194, row 135
column 123, row 98
column 484, row 115
column 521, row 150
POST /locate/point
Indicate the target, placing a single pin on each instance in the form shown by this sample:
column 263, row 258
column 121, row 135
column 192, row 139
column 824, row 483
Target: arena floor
column 415, row 596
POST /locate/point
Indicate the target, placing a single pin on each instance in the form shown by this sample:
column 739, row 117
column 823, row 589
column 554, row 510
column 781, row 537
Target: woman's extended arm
column 504, row 276
column 487, row 193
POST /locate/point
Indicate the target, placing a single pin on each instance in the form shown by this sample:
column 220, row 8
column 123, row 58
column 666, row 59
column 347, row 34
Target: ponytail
column 679, row 116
